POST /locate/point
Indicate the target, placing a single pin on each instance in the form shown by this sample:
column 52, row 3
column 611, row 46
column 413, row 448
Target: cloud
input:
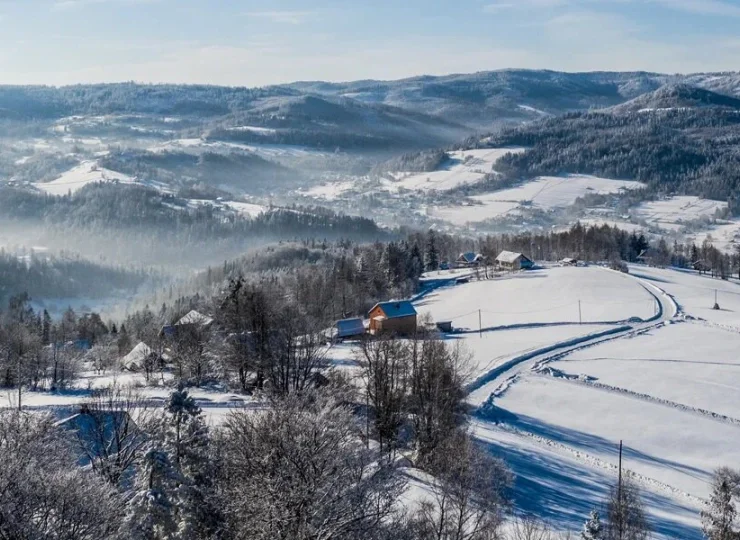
column 63, row 5
column 503, row 5
column 702, row 7
column 282, row 17
column 697, row 7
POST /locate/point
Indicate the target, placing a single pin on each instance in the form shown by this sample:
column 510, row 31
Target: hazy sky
column 259, row 42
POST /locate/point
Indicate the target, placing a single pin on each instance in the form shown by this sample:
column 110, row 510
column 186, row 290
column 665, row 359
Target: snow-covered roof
column 136, row 357
column 396, row 309
column 470, row 257
column 195, row 317
column 509, row 257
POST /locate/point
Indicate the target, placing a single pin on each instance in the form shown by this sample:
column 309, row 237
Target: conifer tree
column 719, row 520
column 592, row 529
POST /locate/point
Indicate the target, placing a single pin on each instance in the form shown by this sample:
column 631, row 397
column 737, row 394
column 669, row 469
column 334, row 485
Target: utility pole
column 480, row 325
column 580, row 317
column 619, row 493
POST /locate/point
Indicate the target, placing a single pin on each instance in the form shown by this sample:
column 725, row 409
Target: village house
column 470, row 260
column 397, row 317
column 511, row 261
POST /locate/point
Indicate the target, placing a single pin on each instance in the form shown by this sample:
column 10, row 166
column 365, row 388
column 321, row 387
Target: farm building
column 398, row 317
column 193, row 320
column 470, row 259
column 350, row 328
column 508, row 260
column 140, row 356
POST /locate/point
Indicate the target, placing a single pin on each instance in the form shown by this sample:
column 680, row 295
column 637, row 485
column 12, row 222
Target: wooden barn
column 511, row 261
column 396, row 317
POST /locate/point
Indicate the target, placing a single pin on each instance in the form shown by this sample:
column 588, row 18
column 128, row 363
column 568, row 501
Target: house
column 195, row 319
column 100, row 432
column 396, row 316
column 445, row 327
column 350, row 328
column 140, row 356
column 511, row 261
column 469, row 259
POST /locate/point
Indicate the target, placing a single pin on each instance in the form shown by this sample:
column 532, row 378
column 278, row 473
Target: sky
column 262, row 42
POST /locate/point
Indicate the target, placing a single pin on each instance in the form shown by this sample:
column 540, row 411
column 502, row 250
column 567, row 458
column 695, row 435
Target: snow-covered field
column 489, row 350
column 200, row 146
column 544, row 193
column 664, row 364
column 541, row 297
column 87, row 172
column 674, row 213
column 216, row 404
column 695, row 294
column 329, row 191
column 463, row 167
column 668, row 390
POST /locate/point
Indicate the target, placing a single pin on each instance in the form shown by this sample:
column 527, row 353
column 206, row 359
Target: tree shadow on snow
column 563, row 493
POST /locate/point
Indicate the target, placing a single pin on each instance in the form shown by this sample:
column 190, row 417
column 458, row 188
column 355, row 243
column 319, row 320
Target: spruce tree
column 592, row 529
column 150, row 513
column 719, row 520
column 432, row 253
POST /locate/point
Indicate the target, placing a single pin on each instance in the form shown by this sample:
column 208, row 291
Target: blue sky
column 260, row 42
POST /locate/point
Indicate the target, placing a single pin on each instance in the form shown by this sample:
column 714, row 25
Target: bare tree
column 719, row 519
column 626, row 512
column 110, row 432
column 438, row 375
column 299, row 471
column 43, row 491
column 530, row 528
column 385, row 362
column 468, row 500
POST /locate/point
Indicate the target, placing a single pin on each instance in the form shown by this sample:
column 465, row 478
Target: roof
column 395, row 309
column 509, row 257
column 350, row 327
column 194, row 318
column 136, row 357
column 470, row 256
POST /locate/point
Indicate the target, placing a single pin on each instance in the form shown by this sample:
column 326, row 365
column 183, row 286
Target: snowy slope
column 545, row 193
column 695, row 294
column 463, row 167
column 663, row 444
column 491, row 349
column 675, row 212
column 78, row 177
column 687, row 363
column 541, row 296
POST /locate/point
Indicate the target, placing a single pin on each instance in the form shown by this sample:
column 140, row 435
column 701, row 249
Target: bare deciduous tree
column 626, row 512
column 111, row 432
column 468, row 493
column 298, row 471
column 43, row 491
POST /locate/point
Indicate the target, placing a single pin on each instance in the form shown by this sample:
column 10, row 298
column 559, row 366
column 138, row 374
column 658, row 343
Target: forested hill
column 51, row 277
column 693, row 151
column 125, row 223
column 101, row 206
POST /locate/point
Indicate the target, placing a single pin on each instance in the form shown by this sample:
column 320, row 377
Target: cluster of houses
column 400, row 316
column 143, row 354
column 508, row 261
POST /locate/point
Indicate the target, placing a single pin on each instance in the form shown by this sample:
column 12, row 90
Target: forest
column 690, row 151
